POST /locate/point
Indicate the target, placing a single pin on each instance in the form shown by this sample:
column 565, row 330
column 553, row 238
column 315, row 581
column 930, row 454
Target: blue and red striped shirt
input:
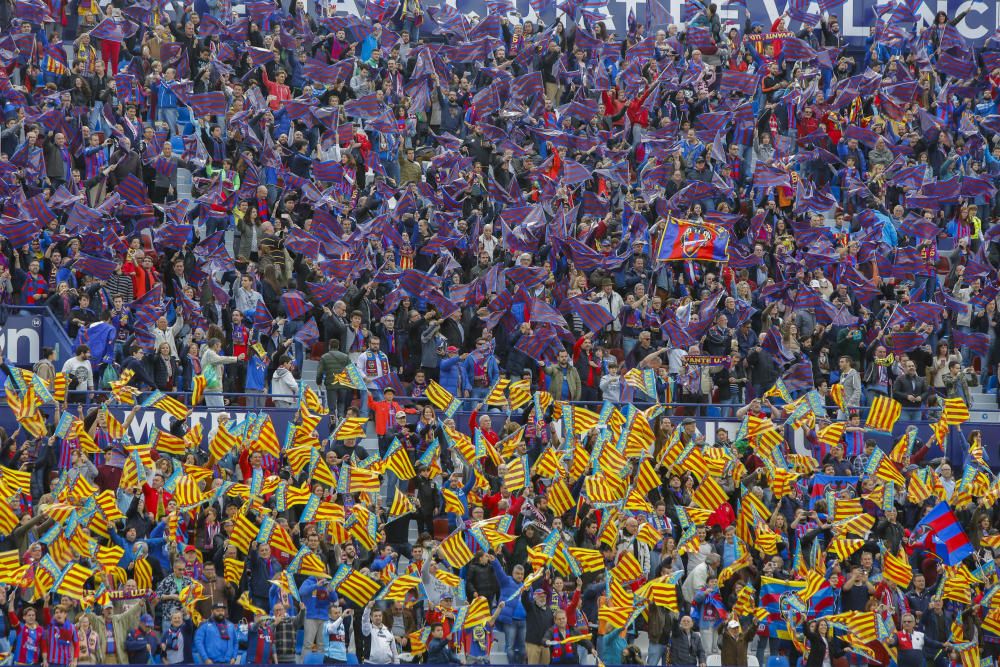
column 62, row 645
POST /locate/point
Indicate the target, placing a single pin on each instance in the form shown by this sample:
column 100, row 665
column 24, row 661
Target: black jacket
column 686, row 649
column 537, row 619
column 481, row 580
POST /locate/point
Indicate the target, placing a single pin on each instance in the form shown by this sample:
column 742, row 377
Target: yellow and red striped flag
column 496, row 395
column 837, row 394
column 955, row 411
column 613, row 617
column 590, row 560
column 244, row 532
column 311, row 402
column 883, row 414
column 896, row 568
column 198, row 389
column 167, row 443
column 440, row 397
column 477, row 614
column 244, row 601
column 221, row 443
column 168, row 404
column 72, row 579
column 519, row 393
column 648, row 535
column 109, row 505
column 515, row 477
column 350, row 428
column 709, row 494
column 109, row 556
column 399, row 587
column 646, row 478
column 142, row 572
column 358, row 588
column 452, row 504
column 188, row 494
column 455, row 550
column 267, row 438
column 844, row 548
column 831, row 434
column 59, row 386
column 232, row 570
column 401, row 505
column 559, row 497
column 10, row 560
column 8, row 520
column 627, row 569
column 447, row 578
column 397, row 459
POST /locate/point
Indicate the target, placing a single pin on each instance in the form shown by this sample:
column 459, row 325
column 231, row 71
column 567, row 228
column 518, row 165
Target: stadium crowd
column 585, row 237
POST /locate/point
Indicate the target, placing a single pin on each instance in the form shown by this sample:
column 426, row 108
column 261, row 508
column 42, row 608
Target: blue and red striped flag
column 379, row 10
column 18, row 232
column 949, row 540
column 309, row 334
column 735, row 80
column 133, row 190
column 327, row 292
column 260, row 57
column 127, row 88
column 295, row 304
column 261, row 317
column 173, row 235
column 208, row 104
column 977, row 342
column 38, row 209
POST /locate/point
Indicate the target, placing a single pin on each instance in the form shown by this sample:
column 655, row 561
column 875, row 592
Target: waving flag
column 687, row 240
column 949, row 540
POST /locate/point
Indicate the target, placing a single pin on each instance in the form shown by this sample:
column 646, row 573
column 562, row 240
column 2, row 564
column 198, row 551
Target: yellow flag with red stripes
column 883, row 414
column 709, row 494
column 455, row 550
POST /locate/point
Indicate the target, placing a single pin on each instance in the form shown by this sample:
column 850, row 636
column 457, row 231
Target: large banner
column 855, row 16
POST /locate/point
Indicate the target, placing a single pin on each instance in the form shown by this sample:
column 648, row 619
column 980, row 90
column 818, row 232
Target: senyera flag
column 684, row 239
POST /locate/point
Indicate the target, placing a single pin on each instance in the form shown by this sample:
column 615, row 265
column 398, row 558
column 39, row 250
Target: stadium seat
column 777, row 661
column 313, row 658
column 177, row 143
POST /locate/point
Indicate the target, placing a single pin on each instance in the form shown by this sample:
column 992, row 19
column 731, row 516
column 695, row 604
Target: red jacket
column 151, row 499
column 381, row 411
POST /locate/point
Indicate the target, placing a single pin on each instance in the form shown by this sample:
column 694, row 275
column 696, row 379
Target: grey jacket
column 851, row 381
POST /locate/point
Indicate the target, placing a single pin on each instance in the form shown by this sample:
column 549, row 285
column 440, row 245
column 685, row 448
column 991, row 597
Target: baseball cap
column 146, row 619
column 733, row 623
column 219, row 605
column 451, row 348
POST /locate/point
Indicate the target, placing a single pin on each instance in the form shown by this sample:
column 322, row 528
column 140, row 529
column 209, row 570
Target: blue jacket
column 209, row 644
column 450, row 374
column 469, row 372
column 165, row 98
column 317, row 606
column 513, row 610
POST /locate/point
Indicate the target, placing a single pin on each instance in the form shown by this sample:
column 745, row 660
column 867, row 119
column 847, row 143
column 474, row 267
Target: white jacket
column 284, row 388
column 383, row 644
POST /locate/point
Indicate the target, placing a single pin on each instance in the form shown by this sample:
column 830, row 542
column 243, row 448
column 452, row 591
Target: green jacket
column 330, row 365
column 555, row 375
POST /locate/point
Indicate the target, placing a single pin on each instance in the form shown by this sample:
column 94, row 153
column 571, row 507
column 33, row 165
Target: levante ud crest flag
column 703, row 241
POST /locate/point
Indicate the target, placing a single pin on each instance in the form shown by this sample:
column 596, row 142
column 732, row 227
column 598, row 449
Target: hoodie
column 284, row 388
